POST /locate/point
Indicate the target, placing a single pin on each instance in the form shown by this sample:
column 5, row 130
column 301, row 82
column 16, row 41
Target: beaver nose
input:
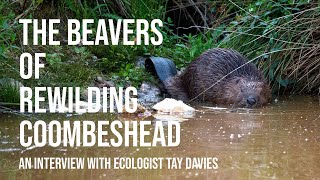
column 251, row 100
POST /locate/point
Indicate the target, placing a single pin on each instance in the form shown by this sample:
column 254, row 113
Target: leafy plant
column 130, row 75
column 54, row 58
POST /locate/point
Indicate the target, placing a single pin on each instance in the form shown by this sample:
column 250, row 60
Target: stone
column 172, row 106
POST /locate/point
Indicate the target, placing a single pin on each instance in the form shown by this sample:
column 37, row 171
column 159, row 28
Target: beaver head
column 246, row 92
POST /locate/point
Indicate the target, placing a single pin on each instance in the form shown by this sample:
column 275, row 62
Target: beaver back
column 215, row 69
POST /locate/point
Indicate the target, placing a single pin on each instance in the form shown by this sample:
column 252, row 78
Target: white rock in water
column 171, row 106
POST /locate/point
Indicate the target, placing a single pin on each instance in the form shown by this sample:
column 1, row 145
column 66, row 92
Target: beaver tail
column 162, row 68
column 166, row 71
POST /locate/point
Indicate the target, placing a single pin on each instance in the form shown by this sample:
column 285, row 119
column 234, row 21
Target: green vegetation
column 282, row 37
column 9, row 91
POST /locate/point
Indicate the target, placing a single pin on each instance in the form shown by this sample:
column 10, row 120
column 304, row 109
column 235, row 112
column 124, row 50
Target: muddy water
column 281, row 141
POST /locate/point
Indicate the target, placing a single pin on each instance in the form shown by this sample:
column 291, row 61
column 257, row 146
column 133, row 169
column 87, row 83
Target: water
column 281, row 141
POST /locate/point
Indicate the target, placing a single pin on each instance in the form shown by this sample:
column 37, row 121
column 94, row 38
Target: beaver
column 221, row 76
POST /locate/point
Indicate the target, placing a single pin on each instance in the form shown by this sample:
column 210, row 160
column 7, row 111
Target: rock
column 94, row 58
column 145, row 114
column 99, row 79
column 140, row 61
column 149, row 94
column 99, row 82
column 109, row 84
column 172, row 106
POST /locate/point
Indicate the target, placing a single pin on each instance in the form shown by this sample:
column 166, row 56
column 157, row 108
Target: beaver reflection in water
column 221, row 76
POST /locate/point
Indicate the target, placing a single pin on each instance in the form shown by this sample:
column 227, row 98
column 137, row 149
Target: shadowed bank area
column 279, row 141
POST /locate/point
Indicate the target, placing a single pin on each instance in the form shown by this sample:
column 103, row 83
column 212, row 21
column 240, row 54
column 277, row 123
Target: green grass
column 283, row 39
column 9, row 92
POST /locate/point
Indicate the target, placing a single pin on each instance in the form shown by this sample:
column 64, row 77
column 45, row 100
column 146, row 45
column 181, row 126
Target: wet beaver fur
column 221, row 76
